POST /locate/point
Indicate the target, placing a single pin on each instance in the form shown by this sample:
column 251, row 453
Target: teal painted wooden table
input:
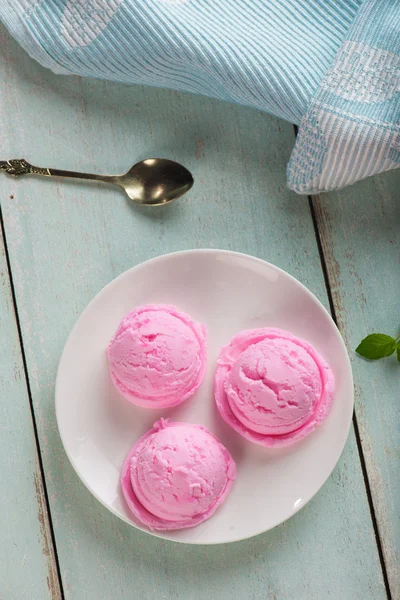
column 61, row 243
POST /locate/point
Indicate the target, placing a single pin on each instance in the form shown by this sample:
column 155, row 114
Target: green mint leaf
column 377, row 345
column 398, row 352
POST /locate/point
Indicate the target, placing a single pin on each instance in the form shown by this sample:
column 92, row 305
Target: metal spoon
column 153, row 181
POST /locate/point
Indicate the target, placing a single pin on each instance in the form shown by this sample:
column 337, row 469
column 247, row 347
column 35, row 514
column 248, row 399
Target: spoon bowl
column 156, row 181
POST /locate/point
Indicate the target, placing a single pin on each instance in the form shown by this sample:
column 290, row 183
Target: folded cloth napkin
column 330, row 66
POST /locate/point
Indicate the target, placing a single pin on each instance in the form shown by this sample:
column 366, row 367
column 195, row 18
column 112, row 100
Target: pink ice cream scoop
column 176, row 476
column 157, row 356
column 272, row 387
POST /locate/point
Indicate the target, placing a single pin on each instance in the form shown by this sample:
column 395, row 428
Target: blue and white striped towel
column 330, row 66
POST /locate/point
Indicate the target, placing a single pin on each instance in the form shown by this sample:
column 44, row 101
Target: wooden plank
column 27, row 563
column 360, row 237
column 67, row 241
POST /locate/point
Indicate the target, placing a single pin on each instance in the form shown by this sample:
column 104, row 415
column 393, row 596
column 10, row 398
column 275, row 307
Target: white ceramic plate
column 228, row 292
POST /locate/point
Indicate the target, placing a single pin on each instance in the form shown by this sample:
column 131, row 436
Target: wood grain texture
column 360, row 236
column 67, row 241
column 27, row 563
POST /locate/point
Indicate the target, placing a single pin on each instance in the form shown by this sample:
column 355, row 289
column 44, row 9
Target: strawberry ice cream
column 176, row 476
column 272, row 387
column 157, row 357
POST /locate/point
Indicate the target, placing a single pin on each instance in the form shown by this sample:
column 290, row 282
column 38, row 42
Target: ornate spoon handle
column 19, row 166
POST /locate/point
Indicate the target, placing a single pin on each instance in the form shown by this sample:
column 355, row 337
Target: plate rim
column 160, row 258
